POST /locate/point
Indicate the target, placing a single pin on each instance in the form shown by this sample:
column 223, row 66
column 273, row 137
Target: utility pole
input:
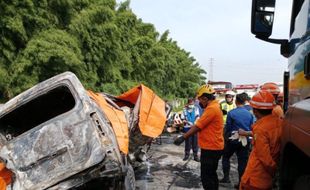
column 211, row 69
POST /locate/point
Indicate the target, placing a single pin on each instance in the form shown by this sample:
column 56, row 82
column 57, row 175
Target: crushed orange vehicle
column 117, row 119
column 152, row 115
column 147, row 114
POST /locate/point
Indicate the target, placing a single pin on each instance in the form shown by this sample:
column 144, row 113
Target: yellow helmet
column 206, row 88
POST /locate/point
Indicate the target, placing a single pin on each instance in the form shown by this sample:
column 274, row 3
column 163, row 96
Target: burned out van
column 54, row 136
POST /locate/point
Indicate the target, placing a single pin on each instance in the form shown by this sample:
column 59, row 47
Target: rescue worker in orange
column 5, row 176
column 210, row 136
column 275, row 91
column 266, row 133
column 2, row 184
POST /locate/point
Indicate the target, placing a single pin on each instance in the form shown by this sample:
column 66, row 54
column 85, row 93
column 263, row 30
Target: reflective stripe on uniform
column 262, row 103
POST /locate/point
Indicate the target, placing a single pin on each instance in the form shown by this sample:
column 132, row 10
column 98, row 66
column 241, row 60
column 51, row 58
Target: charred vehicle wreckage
column 57, row 135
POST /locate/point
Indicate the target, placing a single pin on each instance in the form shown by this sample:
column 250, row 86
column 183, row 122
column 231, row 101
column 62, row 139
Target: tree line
column 102, row 42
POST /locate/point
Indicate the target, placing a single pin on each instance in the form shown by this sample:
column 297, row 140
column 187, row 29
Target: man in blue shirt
column 247, row 104
column 189, row 117
column 238, row 118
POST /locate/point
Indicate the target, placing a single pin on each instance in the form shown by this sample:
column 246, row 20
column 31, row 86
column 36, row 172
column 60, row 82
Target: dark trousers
column 242, row 153
column 209, row 160
column 191, row 143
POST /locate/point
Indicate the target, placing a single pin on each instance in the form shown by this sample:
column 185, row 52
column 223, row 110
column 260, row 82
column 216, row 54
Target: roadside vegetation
column 103, row 43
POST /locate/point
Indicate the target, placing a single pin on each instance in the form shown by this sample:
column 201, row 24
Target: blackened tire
column 302, row 183
column 130, row 180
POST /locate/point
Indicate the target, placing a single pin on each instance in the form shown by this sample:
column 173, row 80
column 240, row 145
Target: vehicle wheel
column 302, row 183
column 130, row 181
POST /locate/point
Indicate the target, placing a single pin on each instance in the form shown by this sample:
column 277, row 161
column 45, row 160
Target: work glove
column 179, row 140
column 243, row 140
column 235, row 135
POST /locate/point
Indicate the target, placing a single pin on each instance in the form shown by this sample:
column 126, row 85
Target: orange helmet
column 271, row 87
column 263, row 100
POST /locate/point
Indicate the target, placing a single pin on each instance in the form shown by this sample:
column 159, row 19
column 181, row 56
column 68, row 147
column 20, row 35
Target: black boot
column 236, row 186
column 186, row 157
column 196, row 158
column 225, row 179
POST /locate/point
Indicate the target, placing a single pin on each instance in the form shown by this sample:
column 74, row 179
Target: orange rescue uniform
column 211, row 124
column 278, row 111
column 5, row 176
column 2, row 184
column 265, row 154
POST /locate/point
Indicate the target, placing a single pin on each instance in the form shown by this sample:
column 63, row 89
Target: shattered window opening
column 37, row 111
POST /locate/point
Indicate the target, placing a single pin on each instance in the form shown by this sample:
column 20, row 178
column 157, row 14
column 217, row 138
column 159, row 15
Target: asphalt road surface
column 166, row 170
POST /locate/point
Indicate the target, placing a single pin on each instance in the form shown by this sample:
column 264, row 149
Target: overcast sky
column 220, row 29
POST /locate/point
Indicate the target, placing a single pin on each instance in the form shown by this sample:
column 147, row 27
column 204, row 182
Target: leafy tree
column 49, row 53
column 103, row 43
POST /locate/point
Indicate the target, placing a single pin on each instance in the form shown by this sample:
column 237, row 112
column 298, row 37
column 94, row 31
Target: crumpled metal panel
column 56, row 151
column 61, row 147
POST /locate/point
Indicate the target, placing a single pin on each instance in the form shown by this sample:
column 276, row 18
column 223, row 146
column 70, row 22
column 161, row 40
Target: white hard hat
column 230, row 92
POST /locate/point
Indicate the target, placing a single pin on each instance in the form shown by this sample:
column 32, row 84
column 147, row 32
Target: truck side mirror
column 262, row 17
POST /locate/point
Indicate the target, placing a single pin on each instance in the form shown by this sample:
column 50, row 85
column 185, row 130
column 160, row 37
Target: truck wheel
column 302, row 183
column 130, row 181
